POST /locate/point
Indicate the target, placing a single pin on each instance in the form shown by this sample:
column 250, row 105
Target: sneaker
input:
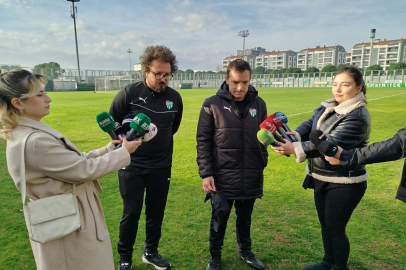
column 252, row 261
column 124, row 265
column 213, row 264
column 319, row 266
column 156, row 260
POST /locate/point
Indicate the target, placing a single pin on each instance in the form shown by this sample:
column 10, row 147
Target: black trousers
column 132, row 184
column 243, row 210
column 334, row 208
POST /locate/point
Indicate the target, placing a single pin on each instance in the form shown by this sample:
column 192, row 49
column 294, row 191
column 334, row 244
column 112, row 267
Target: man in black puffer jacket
column 389, row 150
column 231, row 160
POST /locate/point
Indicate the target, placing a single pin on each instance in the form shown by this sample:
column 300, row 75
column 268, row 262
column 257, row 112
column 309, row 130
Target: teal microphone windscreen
column 140, row 123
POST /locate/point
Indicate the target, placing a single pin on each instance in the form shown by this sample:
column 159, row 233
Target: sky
column 200, row 33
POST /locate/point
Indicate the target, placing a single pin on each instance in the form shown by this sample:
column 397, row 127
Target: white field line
column 367, row 100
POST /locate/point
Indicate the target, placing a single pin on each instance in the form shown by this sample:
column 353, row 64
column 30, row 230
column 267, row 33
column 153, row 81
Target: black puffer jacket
column 227, row 145
column 349, row 131
column 392, row 149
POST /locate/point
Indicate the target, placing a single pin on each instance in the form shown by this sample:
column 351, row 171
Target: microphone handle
column 279, row 139
column 112, row 134
column 287, row 129
column 280, row 130
column 133, row 137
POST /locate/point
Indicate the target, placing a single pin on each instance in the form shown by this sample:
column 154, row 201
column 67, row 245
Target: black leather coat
column 348, row 131
column 392, row 149
column 227, row 145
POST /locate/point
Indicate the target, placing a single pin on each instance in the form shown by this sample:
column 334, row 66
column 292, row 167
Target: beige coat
column 53, row 164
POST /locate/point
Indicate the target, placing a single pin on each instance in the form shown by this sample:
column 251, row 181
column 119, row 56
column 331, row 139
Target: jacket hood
column 224, row 93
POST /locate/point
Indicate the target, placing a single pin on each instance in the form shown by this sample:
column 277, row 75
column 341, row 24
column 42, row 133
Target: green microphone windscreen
column 140, row 123
column 105, row 121
column 265, row 137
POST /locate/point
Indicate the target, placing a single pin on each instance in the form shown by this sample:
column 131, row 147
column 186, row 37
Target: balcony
column 392, row 56
column 393, row 50
column 356, row 52
column 382, row 50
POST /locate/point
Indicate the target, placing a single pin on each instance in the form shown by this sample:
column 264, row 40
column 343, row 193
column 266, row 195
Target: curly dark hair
column 161, row 53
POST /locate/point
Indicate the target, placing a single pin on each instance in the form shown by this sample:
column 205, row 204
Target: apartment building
column 277, row 59
column 348, row 58
column 384, row 53
column 321, row 56
column 249, row 56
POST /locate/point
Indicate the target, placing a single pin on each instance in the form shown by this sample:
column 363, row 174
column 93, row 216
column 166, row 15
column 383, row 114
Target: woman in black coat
column 337, row 190
column 389, row 150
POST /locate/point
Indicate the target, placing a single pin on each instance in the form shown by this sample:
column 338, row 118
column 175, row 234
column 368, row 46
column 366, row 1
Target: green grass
column 285, row 228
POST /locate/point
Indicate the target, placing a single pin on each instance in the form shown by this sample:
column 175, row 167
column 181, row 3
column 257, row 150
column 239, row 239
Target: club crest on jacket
column 169, row 104
column 253, row 112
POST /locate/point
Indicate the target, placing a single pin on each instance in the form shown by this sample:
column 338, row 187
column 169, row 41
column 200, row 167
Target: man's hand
column 336, row 159
column 208, row 184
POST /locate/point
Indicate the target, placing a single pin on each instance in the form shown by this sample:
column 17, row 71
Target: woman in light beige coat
column 53, row 165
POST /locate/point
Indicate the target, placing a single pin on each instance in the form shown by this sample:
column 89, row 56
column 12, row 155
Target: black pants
column 243, row 210
column 334, row 208
column 132, row 185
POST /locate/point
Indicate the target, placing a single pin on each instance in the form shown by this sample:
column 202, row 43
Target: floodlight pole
column 73, row 13
column 244, row 34
column 372, row 36
column 129, row 57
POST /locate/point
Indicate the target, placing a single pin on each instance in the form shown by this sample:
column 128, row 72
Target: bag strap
column 22, row 169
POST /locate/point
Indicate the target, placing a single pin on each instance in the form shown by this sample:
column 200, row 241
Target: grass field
column 285, row 228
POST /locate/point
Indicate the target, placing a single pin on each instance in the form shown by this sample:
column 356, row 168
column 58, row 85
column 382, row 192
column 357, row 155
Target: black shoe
column 156, row 260
column 213, row 264
column 319, row 266
column 252, row 261
column 124, row 265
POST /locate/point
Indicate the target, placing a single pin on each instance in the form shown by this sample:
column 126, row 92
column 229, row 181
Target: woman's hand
column 131, row 146
column 284, row 148
column 335, row 160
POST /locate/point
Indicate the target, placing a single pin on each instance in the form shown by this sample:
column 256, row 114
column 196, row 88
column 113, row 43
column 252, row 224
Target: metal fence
column 105, row 80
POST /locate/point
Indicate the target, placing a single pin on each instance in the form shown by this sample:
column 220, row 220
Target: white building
column 384, row 53
column 227, row 61
column 277, row 60
column 321, row 56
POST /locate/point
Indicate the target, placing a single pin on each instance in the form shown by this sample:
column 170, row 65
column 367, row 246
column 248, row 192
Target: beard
column 161, row 87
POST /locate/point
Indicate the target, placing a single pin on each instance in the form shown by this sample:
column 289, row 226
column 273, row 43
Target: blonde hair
column 17, row 83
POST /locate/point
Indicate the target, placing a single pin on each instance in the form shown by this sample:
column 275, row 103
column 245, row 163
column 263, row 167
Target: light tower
column 244, row 34
column 372, row 36
column 73, row 12
column 129, row 57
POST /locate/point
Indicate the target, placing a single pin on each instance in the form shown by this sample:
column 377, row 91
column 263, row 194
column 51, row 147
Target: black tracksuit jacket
column 227, row 145
column 165, row 110
column 392, row 149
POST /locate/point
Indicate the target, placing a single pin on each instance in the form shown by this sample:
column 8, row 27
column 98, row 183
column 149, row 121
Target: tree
column 293, row 70
column 259, row 70
column 311, row 70
column 372, row 68
column 49, row 69
column 397, row 66
column 269, row 71
column 329, row 68
column 221, row 72
column 341, row 66
column 179, row 71
column 189, row 71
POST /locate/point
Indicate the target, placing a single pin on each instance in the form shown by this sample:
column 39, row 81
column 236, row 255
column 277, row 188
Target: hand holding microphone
column 330, row 150
column 139, row 127
column 266, row 138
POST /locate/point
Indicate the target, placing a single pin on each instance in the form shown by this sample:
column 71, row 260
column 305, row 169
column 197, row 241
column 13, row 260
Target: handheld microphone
column 328, row 148
column 316, row 137
column 268, row 125
column 265, row 137
column 126, row 123
column 119, row 131
column 278, row 123
column 152, row 131
column 107, row 124
column 139, row 127
column 284, row 120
